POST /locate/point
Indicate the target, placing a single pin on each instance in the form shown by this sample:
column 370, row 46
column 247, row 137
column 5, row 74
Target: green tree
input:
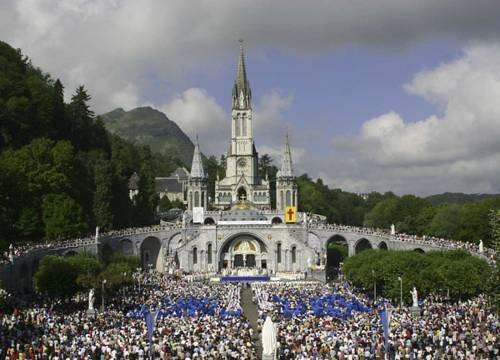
column 164, row 204
column 446, row 222
column 56, row 276
column 103, row 196
column 60, row 128
column 62, row 217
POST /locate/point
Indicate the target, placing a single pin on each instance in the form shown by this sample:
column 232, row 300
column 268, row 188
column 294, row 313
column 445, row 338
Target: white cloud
column 197, row 113
column 114, row 43
column 458, row 151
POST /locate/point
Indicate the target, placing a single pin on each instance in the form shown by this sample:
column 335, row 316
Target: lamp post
column 374, row 286
column 102, row 294
column 139, row 278
column 400, row 291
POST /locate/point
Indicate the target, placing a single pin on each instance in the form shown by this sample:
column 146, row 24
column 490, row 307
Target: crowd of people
column 308, row 327
column 196, row 321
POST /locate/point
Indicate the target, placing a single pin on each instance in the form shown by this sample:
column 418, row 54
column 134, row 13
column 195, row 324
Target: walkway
column 251, row 313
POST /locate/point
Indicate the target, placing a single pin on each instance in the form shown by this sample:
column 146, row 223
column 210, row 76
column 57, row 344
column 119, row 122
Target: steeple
column 241, row 89
column 286, row 165
column 197, row 165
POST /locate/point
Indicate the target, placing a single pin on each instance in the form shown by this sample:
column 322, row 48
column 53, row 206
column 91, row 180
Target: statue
column 414, row 296
column 91, row 299
column 481, row 246
column 393, row 229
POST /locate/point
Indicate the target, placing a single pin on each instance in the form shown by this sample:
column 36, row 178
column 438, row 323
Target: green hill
column 145, row 125
column 457, row 198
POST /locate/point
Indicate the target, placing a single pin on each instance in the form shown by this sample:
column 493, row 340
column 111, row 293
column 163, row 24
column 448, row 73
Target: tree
column 164, row 204
column 103, row 196
column 60, row 128
column 62, row 217
column 446, row 222
column 495, row 231
column 82, row 119
column 56, row 276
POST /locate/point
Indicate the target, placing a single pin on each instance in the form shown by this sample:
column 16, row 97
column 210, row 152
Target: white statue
column 96, row 233
column 414, row 296
column 393, row 229
column 481, row 246
column 91, row 299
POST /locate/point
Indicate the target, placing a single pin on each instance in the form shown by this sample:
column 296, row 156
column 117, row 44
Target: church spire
column 197, row 165
column 286, row 165
column 241, row 90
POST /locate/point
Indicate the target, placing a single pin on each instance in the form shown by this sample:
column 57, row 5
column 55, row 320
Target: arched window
column 288, row 198
column 209, row 253
column 195, row 255
column 244, row 125
column 238, row 127
column 294, row 254
column 196, row 199
column 278, row 254
column 203, row 199
column 294, row 198
column 190, row 200
column 282, row 202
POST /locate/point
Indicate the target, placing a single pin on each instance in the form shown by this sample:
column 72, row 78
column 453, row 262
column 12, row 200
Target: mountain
column 148, row 126
column 457, row 198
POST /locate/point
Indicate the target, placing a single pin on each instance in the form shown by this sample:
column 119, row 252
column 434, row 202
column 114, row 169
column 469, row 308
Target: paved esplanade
column 251, row 312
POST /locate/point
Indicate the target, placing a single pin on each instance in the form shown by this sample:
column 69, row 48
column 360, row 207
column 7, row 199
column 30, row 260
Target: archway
column 419, row 250
column 127, row 247
column 106, row 253
column 243, row 251
column 382, row 245
column 209, row 221
column 336, row 251
column 70, row 253
column 362, row 245
column 150, row 250
column 276, row 220
column 242, row 194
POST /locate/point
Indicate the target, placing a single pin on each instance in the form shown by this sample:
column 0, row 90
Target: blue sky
column 383, row 95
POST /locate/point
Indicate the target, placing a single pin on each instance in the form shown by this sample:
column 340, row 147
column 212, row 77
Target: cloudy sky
column 398, row 95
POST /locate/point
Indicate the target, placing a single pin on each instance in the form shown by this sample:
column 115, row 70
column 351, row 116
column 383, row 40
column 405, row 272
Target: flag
column 290, row 214
column 385, row 319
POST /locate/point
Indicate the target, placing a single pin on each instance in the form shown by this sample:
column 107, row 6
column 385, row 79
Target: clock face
column 242, row 162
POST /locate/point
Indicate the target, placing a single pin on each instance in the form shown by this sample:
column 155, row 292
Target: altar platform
column 244, row 278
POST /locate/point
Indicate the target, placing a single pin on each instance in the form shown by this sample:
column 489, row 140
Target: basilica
column 239, row 230
column 242, row 184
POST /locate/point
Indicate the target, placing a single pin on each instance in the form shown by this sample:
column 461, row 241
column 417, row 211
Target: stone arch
column 209, row 221
column 362, row 245
column 276, row 220
column 261, row 251
column 382, row 245
column 71, row 253
column 34, row 265
column 242, row 193
column 314, row 242
column 174, row 242
column 106, row 252
column 126, row 247
column 337, row 249
column 150, row 251
column 419, row 250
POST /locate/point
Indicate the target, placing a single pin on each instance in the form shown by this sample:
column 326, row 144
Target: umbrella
column 269, row 341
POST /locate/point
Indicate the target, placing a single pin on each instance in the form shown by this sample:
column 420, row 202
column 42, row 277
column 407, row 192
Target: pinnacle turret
column 286, row 164
column 197, row 165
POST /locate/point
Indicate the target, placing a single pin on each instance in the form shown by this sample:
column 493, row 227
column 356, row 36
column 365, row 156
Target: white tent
column 269, row 340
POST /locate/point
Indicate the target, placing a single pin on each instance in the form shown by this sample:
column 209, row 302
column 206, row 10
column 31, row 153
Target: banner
column 198, row 215
column 290, row 214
